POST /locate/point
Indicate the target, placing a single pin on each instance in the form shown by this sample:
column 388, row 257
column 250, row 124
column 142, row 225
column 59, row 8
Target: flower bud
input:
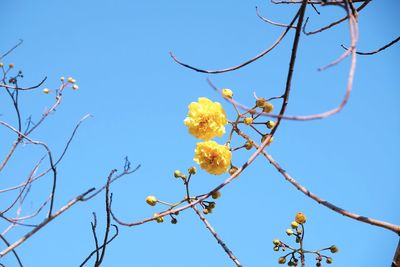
column 334, row 249
column 268, row 107
column 289, row 232
column 294, row 225
column 192, row 170
column 174, row 221
column 329, row 260
column 46, row 90
column 248, row 145
column 270, row 140
column 282, row 260
column 227, row 93
column 248, row 120
column 260, row 102
column 232, row 170
column 177, row 174
column 270, row 124
column 159, row 219
column 276, row 248
column 151, row 200
column 215, row 194
column 1, row 64
column 206, row 211
column 276, row 242
column 300, row 218
column 11, row 65
column 75, row 87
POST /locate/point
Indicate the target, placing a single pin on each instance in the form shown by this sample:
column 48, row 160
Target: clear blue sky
column 118, row 53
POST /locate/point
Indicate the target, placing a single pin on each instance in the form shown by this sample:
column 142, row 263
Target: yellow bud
column 159, row 219
column 329, row 260
column 227, row 93
column 46, row 90
column 300, row 218
column 260, row 102
column 177, row 174
column 211, row 206
column 282, row 260
column 294, row 225
column 151, row 200
column 62, row 78
column 248, row 120
column 206, row 211
column 248, row 145
column 192, row 170
column 11, row 65
column 276, row 242
column 276, row 248
column 1, row 64
column 270, row 140
column 71, row 80
column 270, row 124
column 289, row 232
column 216, row 194
column 334, row 249
column 268, row 107
column 232, row 170
column 75, row 87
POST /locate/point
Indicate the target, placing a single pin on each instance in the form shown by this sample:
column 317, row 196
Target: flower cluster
column 297, row 230
column 206, row 120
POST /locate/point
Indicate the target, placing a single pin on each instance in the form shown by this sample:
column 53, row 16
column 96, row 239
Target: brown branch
column 13, row 251
column 240, row 65
column 44, row 223
column 217, row 237
column 273, row 23
column 24, row 88
column 365, row 3
column 12, row 49
column 377, row 50
column 396, row 257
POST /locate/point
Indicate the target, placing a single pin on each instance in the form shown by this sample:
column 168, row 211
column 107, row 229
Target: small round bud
column 276, row 248
column 294, row 225
column 75, row 87
column 334, row 249
column 177, row 174
column 1, row 64
column 46, row 90
column 211, row 205
column 248, row 120
column 192, row 170
column 227, row 93
column 289, row 232
column 11, row 65
column 329, row 260
column 271, row 139
column 299, row 232
column 297, row 240
column 206, row 211
column 176, row 213
column 62, row 78
column 174, row 221
column 215, row 194
column 282, row 260
column 270, row 124
column 252, row 111
column 260, row 102
column 248, row 145
column 300, row 218
column 268, row 107
column 159, row 219
column 70, row 80
column 151, row 200
column 232, row 170
column 276, row 242
column 318, row 264
column 290, row 263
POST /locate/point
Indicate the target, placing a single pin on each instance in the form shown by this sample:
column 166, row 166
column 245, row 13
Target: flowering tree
column 252, row 129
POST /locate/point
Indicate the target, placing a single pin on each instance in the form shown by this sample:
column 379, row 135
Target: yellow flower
column 212, row 157
column 248, row 120
column 206, row 119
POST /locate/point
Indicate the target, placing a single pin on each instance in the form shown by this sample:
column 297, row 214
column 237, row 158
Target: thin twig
column 217, row 237
column 377, row 50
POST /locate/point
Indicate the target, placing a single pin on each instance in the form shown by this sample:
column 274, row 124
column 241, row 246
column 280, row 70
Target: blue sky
column 118, row 53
